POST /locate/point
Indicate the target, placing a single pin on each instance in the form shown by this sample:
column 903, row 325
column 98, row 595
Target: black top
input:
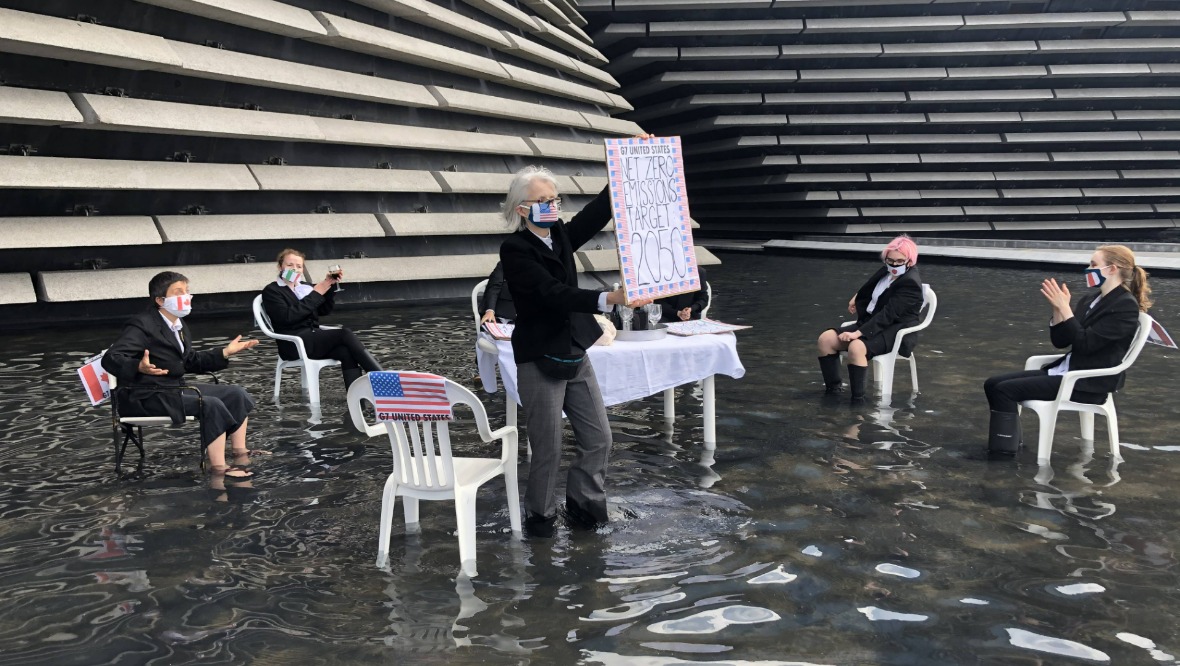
column 899, row 306
column 695, row 300
column 291, row 316
column 1098, row 337
column 553, row 315
column 496, row 297
column 148, row 331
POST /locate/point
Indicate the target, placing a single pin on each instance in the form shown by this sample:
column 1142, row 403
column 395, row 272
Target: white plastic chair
column 883, row 365
column 708, row 301
column 1047, row 410
column 309, row 368
column 482, row 341
column 424, row 469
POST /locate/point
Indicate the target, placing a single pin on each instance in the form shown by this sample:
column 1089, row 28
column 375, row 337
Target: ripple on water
column 895, row 570
column 1026, row 639
column 714, row 620
column 881, row 615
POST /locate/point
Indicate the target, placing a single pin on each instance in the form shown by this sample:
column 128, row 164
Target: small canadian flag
column 95, row 380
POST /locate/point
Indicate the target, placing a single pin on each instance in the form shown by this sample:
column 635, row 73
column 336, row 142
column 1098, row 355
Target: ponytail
column 1140, row 289
column 1133, row 276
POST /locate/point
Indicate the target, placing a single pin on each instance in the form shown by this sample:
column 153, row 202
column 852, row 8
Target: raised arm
column 1117, row 323
column 589, row 221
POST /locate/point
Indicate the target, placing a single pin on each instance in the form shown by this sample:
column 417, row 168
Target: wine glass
column 625, row 314
column 654, row 311
column 334, row 273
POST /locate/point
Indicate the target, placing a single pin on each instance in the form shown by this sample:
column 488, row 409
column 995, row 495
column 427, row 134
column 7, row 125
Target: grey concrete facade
column 205, row 135
column 844, row 116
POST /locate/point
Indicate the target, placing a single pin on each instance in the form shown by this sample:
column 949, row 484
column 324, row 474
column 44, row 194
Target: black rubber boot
column 368, row 363
column 1003, row 433
column 350, row 376
column 856, row 382
column 830, row 367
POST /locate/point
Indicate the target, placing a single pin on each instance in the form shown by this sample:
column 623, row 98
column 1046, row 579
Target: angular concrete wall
column 857, row 117
column 206, row 135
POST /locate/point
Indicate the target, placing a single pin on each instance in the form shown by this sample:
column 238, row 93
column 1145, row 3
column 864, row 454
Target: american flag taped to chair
column 410, row 396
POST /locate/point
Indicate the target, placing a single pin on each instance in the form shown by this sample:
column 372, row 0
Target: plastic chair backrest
column 476, row 296
column 708, row 300
column 421, row 449
column 1137, row 344
column 261, row 318
column 929, row 304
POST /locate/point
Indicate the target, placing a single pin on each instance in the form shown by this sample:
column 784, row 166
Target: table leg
column 670, row 404
column 710, row 413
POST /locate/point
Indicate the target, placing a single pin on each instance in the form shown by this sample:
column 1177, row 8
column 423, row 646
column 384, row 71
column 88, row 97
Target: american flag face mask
column 543, row 215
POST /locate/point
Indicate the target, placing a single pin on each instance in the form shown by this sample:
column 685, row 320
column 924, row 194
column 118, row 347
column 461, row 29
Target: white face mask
column 896, row 271
column 179, row 306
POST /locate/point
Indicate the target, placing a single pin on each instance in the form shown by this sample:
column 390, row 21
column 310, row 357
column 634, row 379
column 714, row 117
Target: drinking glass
column 334, row 272
column 625, row 314
column 654, row 310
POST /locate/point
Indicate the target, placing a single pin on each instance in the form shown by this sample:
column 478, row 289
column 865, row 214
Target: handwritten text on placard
column 651, row 217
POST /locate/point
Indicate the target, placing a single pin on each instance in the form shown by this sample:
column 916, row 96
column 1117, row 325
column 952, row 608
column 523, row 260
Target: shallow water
column 815, row 533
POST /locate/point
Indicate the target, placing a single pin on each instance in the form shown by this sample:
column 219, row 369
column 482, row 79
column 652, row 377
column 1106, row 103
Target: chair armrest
column 1069, row 379
column 292, row 338
column 509, row 443
column 331, row 328
column 848, row 323
column 1035, row 362
column 901, row 333
column 152, row 388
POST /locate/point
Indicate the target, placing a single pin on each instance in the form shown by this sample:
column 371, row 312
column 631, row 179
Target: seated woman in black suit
column 496, row 302
column 683, row 307
column 890, row 301
column 1098, row 337
column 151, row 358
column 295, row 308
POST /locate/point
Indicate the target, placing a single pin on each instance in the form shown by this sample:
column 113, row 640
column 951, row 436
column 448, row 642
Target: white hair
column 518, row 193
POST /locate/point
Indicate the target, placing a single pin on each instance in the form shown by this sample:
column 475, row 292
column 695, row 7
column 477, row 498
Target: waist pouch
column 560, row 366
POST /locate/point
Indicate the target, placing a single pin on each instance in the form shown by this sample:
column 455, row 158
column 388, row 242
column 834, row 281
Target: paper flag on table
column 702, row 327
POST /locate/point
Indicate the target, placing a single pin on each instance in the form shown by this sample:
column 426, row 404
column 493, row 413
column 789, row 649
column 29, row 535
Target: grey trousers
column 543, row 399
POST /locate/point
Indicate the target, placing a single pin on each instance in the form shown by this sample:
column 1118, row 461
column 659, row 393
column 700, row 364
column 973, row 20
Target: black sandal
column 223, row 470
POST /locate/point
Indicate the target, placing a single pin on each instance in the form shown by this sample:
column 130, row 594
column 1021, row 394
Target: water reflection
column 875, row 534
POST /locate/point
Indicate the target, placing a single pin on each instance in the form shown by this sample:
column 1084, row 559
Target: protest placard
column 650, row 208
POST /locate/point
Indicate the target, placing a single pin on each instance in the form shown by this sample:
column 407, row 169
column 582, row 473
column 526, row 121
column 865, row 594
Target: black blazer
column 696, row 300
column 898, row 307
column 1098, row 337
column 553, row 315
column 291, row 316
column 149, row 331
column 496, row 297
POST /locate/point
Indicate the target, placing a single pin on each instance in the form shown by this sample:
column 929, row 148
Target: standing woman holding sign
column 555, row 326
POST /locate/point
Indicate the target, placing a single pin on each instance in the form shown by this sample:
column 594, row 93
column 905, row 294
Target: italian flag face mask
column 290, row 276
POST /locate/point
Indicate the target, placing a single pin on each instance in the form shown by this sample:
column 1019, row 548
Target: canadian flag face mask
column 179, row 306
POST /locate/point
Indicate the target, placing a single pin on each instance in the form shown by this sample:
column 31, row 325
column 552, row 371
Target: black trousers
column 223, row 409
column 340, row 344
column 1005, row 392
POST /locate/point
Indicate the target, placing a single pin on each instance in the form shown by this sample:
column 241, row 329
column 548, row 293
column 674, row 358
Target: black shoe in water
column 587, row 518
column 539, row 526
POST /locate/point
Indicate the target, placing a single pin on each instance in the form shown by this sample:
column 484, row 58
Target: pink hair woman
column 889, row 301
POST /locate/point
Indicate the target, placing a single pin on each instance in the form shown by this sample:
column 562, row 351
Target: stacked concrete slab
column 206, row 135
column 841, row 116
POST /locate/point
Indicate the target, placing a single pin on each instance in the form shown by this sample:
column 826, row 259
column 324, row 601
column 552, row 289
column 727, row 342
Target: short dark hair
column 158, row 287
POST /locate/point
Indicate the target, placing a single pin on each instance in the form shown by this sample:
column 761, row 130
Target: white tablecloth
column 632, row 370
